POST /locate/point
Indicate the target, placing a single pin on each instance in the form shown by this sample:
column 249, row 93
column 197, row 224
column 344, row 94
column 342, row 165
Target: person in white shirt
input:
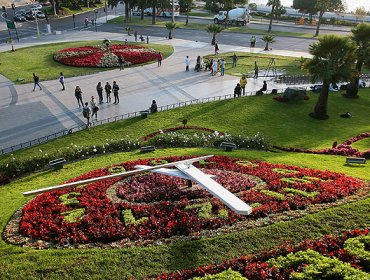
column 214, row 67
column 187, row 63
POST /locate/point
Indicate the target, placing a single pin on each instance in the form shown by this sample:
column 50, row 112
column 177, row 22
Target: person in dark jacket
column 237, row 91
column 99, row 90
column 115, row 92
column 153, row 108
column 78, row 95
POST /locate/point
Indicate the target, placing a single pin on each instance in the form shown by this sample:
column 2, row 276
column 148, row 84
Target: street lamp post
column 74, row 23
column 173, row 11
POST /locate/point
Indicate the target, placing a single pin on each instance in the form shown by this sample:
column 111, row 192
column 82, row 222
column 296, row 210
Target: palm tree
column 275, row 4
column 214, row 29
column 361, row 37
column 170, row 26
column 268, row 39
column 332, row 61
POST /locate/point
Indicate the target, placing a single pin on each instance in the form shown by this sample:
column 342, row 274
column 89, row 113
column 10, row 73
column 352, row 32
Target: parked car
column 136, row 13
column 45, row 4
column 19, row 18
column 36, row 6
column 40, row 14
column 29, row 15
column 20, row 12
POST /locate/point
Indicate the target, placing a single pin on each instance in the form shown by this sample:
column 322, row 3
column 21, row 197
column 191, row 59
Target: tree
column 185, row 6
column 170, row 26
column 305, row 6
column 361, row 37
column 323, row 6
column 360, row 13
column 275, row 4
column 214, row 29
column 332, row 61
column 268, row 39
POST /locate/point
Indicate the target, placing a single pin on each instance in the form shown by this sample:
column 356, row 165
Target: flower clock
column 153, row 208
column 105, row 56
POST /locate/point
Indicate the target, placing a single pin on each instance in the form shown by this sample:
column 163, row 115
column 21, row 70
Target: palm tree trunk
column 142, row 12
column 187, row 16
column 170, row 35
column 318, row 24
column 213, row 39
column 352, row 91
column 272, row 15
column 267, row 46
column 154, row 6
column 127, row 16
column 320, row 111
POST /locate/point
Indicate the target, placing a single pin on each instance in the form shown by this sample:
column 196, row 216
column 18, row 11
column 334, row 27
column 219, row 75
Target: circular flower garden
column 105, row 56
column 150, row 207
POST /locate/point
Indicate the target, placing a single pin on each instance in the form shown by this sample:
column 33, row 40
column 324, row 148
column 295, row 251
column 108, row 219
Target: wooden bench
column 147, row 149
column 144, row 113
column 228, row 146
column 57, row 164
column 355, row 160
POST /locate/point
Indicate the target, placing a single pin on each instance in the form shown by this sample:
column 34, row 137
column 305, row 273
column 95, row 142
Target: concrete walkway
column 26, row 115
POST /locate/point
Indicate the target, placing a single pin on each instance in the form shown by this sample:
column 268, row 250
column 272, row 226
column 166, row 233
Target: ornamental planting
column 153, row 208
column 105, row 56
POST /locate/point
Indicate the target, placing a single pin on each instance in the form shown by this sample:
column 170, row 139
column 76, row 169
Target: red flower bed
column 90, row 56
column 153, row 206
column 259, row 267
column 172, row 129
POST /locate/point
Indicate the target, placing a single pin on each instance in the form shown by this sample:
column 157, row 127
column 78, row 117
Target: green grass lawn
column 46, row 68
column 245, row 65
column 284, row 124
column 24, row 263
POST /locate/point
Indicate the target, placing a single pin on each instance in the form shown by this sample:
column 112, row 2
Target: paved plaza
column 26, row 115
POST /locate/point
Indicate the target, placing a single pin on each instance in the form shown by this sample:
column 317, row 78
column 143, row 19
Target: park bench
column 57, row 164
column 147, row 149
column 144, row 113
column 355, row 160
column 228, row 146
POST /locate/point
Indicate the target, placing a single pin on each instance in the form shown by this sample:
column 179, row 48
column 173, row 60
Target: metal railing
column 75, row 129
column 304, row 79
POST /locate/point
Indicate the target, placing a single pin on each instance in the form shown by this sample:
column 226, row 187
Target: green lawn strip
column 20, row 263
column 362, row 145
column 245, row 65
column 199, row 14
column 136, row 21
column 48, row 69
column 275, row 120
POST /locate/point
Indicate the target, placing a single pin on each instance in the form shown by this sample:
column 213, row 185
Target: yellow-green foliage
column 276, row 195
column 357, row 246
column 225, row 275
column 318, row 267
column 284, row 171
column 69, row 199
column 300, row 192
column 129, row 219
column 73, row 216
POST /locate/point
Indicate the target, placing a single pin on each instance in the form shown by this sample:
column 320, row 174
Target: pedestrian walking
column 237, row 91
column 135, row 34
column 187, row 63
column 216, row 49
column 160, row 58
column 214, row 67
column 147, row 39
column 108, row 90
column 255, row 70
column 115, row 92
column 61, row 80
column 253, row 41
column 99, row 90
column 86, row 21
column 153, row 108
column 198, row 64
column 222, row 66
column 121, row 62
column 86, row 113
column 243, row 82
column 235, row 60
column 94, row 108
column 78, row 94
column 36, row 81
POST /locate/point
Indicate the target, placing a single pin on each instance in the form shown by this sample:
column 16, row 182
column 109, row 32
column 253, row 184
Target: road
column 28, row 29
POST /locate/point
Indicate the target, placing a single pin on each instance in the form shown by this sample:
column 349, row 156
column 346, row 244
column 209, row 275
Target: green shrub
column 69, row 199
column 73, row 216
column 301, row 193
column 225, row 275
column 317, row 266
column 357, row 246
column 276, row 195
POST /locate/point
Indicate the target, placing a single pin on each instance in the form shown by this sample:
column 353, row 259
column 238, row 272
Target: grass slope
column 284, row 124
column 44, row 65
column 21, row 263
